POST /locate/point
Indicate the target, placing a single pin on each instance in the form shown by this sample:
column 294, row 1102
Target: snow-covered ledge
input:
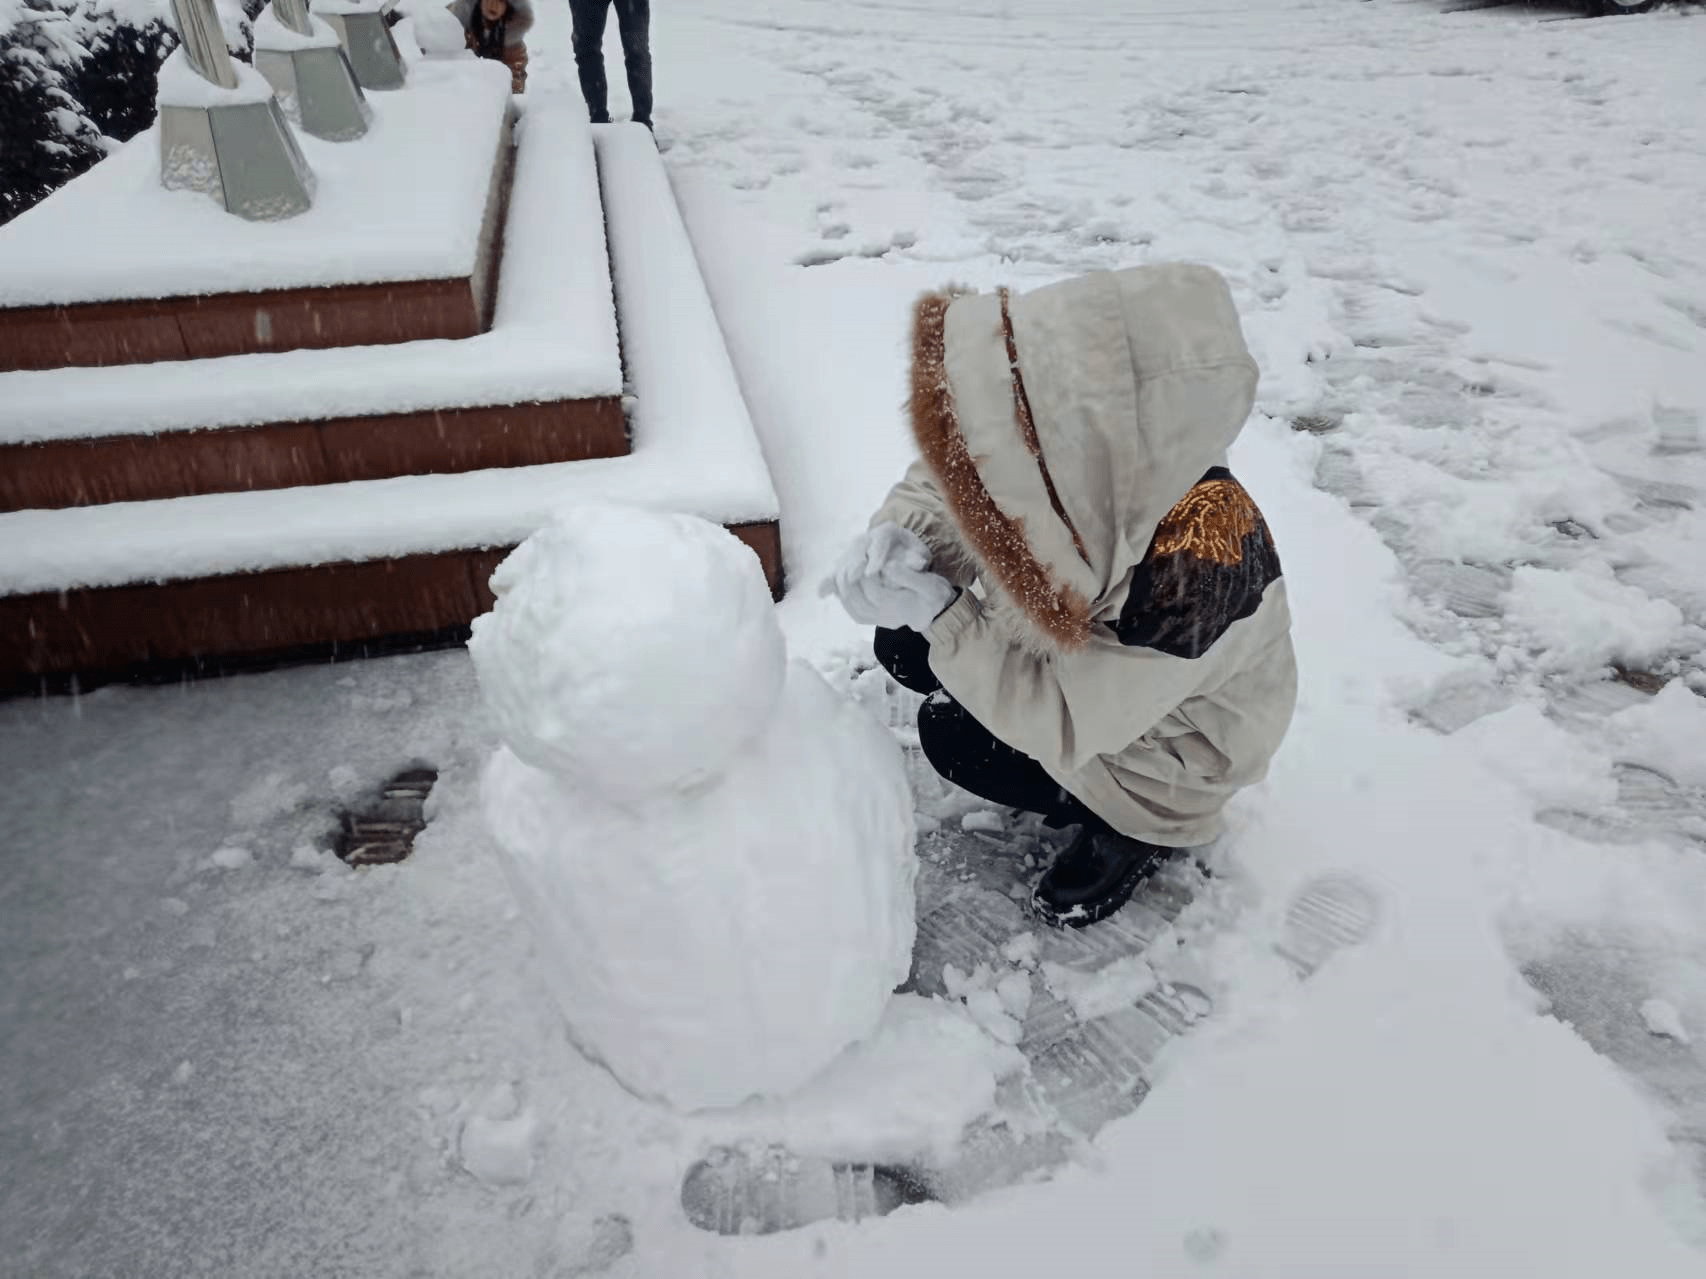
column 694, row 447
column 420, row 258
column 134, row 240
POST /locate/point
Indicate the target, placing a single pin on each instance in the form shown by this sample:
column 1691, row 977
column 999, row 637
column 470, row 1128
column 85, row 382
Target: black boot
column 1094, row 877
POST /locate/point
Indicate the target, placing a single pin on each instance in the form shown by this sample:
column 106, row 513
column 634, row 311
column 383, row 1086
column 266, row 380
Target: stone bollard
column 303, row 60
column 221, row 129
column 360, row 27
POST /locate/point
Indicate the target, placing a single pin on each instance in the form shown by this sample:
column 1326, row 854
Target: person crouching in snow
column 498, row 29
column 1092, row 601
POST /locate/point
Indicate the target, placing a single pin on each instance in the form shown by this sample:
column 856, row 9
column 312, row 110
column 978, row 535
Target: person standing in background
column 633, row 21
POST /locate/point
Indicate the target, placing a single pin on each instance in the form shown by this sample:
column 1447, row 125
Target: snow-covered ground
column 1470, row 255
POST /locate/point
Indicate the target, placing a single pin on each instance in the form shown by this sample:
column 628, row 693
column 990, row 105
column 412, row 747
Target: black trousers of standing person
column 967, row 753
column 633, row 20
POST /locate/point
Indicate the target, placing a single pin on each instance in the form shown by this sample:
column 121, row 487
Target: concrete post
column 221, row 129
column 303, row 60
column 366, row 39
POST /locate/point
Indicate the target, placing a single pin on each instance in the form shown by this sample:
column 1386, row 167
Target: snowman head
column 631, row 653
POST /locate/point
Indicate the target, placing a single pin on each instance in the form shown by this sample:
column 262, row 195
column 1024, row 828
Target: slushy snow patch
column 1582, row 619
column 1668, row 733
column 1664, row 1020
column 714, row 849
column 1107, row 989
column 317, row 861
column 990, row 1003
column 910, row 1089
column 496, row 1143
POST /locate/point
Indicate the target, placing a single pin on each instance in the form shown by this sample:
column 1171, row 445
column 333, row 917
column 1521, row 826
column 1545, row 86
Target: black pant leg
column 589, row 17
column 973, row 758
column 905, row 654
column 963, row 750
column 633, row 20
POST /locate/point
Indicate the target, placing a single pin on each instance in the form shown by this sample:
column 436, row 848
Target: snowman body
column 713, row 848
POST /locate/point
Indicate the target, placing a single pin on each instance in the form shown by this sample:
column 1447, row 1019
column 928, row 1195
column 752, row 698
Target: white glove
column 909, row 597
column 883, row 580
column 871, row 553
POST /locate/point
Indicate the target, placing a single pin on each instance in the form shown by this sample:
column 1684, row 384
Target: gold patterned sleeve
column 1208, row 566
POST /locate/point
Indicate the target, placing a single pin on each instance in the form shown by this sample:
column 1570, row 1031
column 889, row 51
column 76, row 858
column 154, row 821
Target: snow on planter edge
column 694, row 446
column 405, row 202
column 553, row 337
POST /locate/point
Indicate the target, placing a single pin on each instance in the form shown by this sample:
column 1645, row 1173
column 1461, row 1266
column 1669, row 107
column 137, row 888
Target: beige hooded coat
column 1123, row 621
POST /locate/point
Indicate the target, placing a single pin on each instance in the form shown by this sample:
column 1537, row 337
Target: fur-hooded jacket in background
column 516, row 23
column 1123, row 620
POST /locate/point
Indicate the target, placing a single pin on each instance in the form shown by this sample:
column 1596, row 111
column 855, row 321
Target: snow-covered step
column 399, row 246
column 295, row 572
column 275, row 571
column 544, row 385
column 166, row 464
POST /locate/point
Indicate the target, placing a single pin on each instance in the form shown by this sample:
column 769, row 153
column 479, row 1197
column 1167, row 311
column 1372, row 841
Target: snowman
column 713, row 848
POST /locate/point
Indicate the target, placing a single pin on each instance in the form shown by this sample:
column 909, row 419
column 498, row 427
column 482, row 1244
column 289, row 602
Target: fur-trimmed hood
column 517, row 24
column 1063, row 424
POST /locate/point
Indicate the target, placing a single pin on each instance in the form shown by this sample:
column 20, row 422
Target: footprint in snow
column 1691, row 309
column 1086, row 1064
